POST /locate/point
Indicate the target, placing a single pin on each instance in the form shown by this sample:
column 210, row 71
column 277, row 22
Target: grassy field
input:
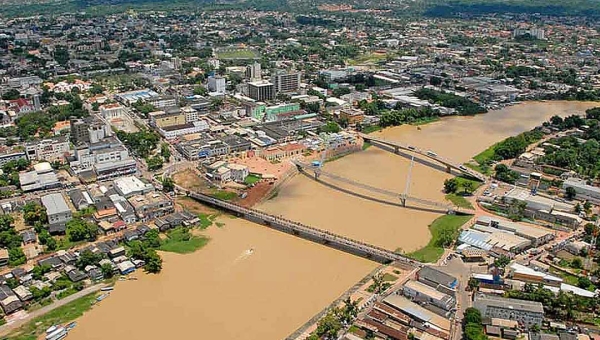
column 366, row 145
column 180, row 241
column 238, row 54
column 371, row 128
column 486, row 155
column 432, row 252
column 389, row 277
column 61, row 315
column 368, row 58
column 461, row 183
column 459, row 201
column 223, row 195
column 484, row 169
column 251, row 179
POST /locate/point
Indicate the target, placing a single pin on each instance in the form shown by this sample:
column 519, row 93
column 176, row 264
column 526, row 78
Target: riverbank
column 57, row 313
column 444, row 230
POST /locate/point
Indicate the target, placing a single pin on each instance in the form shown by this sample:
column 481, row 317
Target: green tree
column 168, row 184
column 34, row 212
column 79, row 230
column 154, row 163
column 16, row 257
column 107, row 271
column 450, row 185
column 584, row 282
column 445, row 238
column 329, row 326
column 165, row 151
column 11, row 94
column 153, row 262
column 39, row 271
column 88, row 258
column 330, row 127
column 501, row 261
column 577, row 263
column 468, row 187
column 516, row 210
column 570, row 193
column 473, row 283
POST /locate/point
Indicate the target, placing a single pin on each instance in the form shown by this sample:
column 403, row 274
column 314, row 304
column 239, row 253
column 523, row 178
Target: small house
column 126, row 267
column 29, row 236
column 94, row 273
column 23, row 293
column 74, row 274
column 116, row 252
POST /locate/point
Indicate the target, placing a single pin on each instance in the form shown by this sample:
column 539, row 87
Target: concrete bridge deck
column 450, row 165
column 404, row 199
column 311, row 233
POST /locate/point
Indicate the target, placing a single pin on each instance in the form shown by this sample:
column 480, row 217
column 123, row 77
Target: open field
column 445, row 224
column 235, row 53
column 181, row 242
column 189, row 179
column 459, row 201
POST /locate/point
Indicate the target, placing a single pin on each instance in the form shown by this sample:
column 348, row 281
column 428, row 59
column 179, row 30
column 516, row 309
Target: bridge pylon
column 448, row 169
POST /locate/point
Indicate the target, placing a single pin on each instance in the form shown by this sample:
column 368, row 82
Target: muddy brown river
column 226, row 292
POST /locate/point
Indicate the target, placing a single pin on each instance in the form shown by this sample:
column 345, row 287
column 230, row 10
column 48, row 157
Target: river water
column 389, row 226
column 226, row 292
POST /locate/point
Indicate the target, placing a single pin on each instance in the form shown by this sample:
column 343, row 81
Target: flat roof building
column 423, row 293
column 131, row 185
column 57, row 209
column 527, row 313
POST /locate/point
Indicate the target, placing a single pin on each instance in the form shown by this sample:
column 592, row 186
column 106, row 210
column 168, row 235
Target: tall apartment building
column 88, row 130
column 261, row 90
column 217, row 84
column 253, row 72
column 286, row 81
column 537, row 33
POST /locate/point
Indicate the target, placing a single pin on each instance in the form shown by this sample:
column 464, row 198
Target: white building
column 172, row 132
column 238, row 172
column 110, row 111
column 191, row 115
column 217, row 85
column 49, row 150
column 423, row 293
column 131, row 185
column 57, row 209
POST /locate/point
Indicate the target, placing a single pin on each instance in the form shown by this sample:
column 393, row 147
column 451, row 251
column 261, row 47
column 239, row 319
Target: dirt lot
column 263, row 167
column 189, row 179
column 255, row 194
column 193, row 206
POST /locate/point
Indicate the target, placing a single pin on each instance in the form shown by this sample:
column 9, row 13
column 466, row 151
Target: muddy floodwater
column 389, row 226
column 249, row 282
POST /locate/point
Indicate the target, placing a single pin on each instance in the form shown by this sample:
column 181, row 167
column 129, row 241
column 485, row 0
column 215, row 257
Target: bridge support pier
column 448, row 169
column 403, row 201
column 396, row 150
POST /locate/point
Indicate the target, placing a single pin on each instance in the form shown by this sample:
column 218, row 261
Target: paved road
column 14, row 324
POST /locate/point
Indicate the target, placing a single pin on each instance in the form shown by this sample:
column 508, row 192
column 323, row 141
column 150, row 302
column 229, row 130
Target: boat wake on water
column 247, row 253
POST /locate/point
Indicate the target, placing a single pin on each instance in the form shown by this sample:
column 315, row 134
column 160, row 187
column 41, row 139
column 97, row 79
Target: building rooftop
column 55, row 204
column 434, row 275
column 485, row 301
column 131, row 185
